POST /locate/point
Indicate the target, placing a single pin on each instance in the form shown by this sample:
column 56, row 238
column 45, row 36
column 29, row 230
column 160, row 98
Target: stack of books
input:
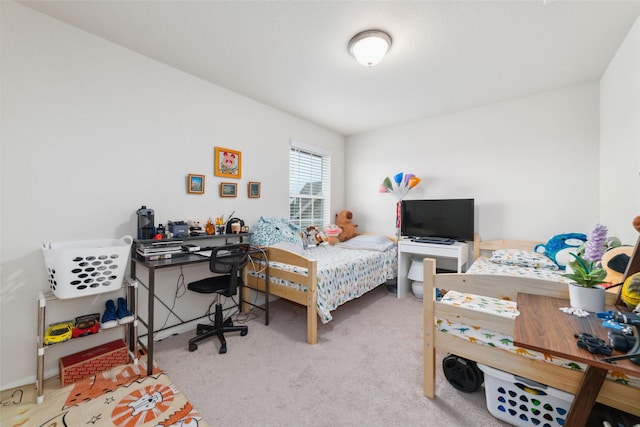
column 160, row 250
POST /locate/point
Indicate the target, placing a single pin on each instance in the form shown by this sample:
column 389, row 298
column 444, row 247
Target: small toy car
column 86, row 325
column 58, row 332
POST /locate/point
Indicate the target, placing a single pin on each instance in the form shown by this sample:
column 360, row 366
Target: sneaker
column 123, row 313
column 109, row 318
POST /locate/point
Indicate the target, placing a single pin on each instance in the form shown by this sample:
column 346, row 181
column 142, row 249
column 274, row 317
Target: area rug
column 124, row 397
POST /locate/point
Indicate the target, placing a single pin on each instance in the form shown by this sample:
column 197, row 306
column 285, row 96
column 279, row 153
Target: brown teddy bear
column 349, row 229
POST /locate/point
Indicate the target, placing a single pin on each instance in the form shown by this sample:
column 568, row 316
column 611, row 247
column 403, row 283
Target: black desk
column 188, row 259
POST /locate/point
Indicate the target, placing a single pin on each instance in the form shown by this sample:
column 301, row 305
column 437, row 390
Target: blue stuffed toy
column 560, row 246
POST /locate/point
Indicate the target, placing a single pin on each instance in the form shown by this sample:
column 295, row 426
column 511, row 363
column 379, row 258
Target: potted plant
column 585, row 291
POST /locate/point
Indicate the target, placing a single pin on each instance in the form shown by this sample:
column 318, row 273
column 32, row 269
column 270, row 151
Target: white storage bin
column 77, row 269
column 523, row 402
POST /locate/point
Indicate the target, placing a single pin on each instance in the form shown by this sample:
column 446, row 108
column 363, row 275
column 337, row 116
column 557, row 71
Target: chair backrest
column 229, row 260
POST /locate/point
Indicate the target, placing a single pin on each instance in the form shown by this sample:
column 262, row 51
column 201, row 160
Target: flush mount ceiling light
column 369, row 47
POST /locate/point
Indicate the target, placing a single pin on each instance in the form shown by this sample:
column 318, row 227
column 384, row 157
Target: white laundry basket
column 77, row 269
column 523, row 402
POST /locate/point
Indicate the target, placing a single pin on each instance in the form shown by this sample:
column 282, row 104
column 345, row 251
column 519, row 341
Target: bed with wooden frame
column 614, row 394
column 295, row 276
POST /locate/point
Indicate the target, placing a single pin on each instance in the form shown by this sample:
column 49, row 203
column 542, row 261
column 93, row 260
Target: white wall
column 620, row 138
column 92, row 131
column 531, row 164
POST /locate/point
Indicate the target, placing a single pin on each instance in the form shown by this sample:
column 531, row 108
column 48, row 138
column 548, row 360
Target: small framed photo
column 228, row 189
column 254, row 190
column 195, row 184
column 227, row 163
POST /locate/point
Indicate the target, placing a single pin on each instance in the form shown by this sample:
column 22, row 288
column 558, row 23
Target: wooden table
column 543, row 327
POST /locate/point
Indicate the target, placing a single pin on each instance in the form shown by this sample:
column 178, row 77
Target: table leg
column 150, row 326
column 585, row 397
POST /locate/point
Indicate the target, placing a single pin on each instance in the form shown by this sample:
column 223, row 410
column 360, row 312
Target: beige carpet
column 365, row 370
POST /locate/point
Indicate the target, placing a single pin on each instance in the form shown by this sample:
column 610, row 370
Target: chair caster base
column 223, row 350
column 243, row 333
column 193, row 346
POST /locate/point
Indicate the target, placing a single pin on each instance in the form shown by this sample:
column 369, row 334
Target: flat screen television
column 448, row 218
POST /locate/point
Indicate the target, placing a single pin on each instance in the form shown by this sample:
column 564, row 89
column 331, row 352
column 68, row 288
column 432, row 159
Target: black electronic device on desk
column 155, row 250
column 179, row 229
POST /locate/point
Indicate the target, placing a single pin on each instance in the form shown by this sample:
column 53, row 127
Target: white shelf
column 408, row 249
column 131, row 290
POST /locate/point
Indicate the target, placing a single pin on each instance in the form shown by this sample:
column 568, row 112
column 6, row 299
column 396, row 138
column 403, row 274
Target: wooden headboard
column 492, row 245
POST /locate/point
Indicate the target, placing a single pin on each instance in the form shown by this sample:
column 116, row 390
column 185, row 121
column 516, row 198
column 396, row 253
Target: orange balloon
column 413, row 181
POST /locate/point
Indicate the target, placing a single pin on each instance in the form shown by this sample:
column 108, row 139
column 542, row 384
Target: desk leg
column 585, row 397
column 150, row 304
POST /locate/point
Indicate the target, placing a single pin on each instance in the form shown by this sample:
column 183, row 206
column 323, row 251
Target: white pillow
column 369, row 242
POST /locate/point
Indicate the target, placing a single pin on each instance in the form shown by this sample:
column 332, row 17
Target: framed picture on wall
column 195, row 184
column 227, row 163
column 254, row 190
column 228, row 189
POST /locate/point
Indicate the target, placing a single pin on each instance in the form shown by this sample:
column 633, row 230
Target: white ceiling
column 292, row 55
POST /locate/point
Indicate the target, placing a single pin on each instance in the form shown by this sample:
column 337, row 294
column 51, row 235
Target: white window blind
column 309, row 185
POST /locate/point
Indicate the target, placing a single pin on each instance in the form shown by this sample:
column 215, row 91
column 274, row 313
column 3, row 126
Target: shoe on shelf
column 123, row 313
column 109, row 317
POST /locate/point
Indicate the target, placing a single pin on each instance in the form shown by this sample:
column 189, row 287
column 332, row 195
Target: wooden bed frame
column 613, row 394
column 308, row 299
column 310, row 281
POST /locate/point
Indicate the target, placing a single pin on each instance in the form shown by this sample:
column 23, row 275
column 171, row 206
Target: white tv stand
column 408, row 249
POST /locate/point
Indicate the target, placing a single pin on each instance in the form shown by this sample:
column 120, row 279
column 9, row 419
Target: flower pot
column 589, row 299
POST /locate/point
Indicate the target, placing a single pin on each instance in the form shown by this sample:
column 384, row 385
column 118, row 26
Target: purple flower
column 596, row 243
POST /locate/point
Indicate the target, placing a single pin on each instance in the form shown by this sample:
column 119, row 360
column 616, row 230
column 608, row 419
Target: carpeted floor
column 365, row 370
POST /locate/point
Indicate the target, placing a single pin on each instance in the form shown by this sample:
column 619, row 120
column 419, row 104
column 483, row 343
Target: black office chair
column 228, row 261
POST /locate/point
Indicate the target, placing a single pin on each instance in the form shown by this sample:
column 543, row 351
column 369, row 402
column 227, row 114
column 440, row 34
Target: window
column 309, row 192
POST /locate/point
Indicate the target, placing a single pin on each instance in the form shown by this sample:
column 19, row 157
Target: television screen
column 448, row 218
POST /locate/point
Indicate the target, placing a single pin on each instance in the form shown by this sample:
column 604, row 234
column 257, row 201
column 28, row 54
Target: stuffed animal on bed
column 349, row 229
column 314, row 236
column 560, row 246
column 332, row 232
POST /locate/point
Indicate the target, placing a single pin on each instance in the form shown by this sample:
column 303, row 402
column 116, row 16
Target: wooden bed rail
column 309, row 299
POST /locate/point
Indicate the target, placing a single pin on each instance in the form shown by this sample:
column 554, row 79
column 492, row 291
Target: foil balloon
column 407, row 177
column 413, row 181
column 398, row 178
column 387, row 183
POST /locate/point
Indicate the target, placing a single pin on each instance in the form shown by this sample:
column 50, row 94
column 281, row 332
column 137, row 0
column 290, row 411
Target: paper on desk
column 208, row 253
